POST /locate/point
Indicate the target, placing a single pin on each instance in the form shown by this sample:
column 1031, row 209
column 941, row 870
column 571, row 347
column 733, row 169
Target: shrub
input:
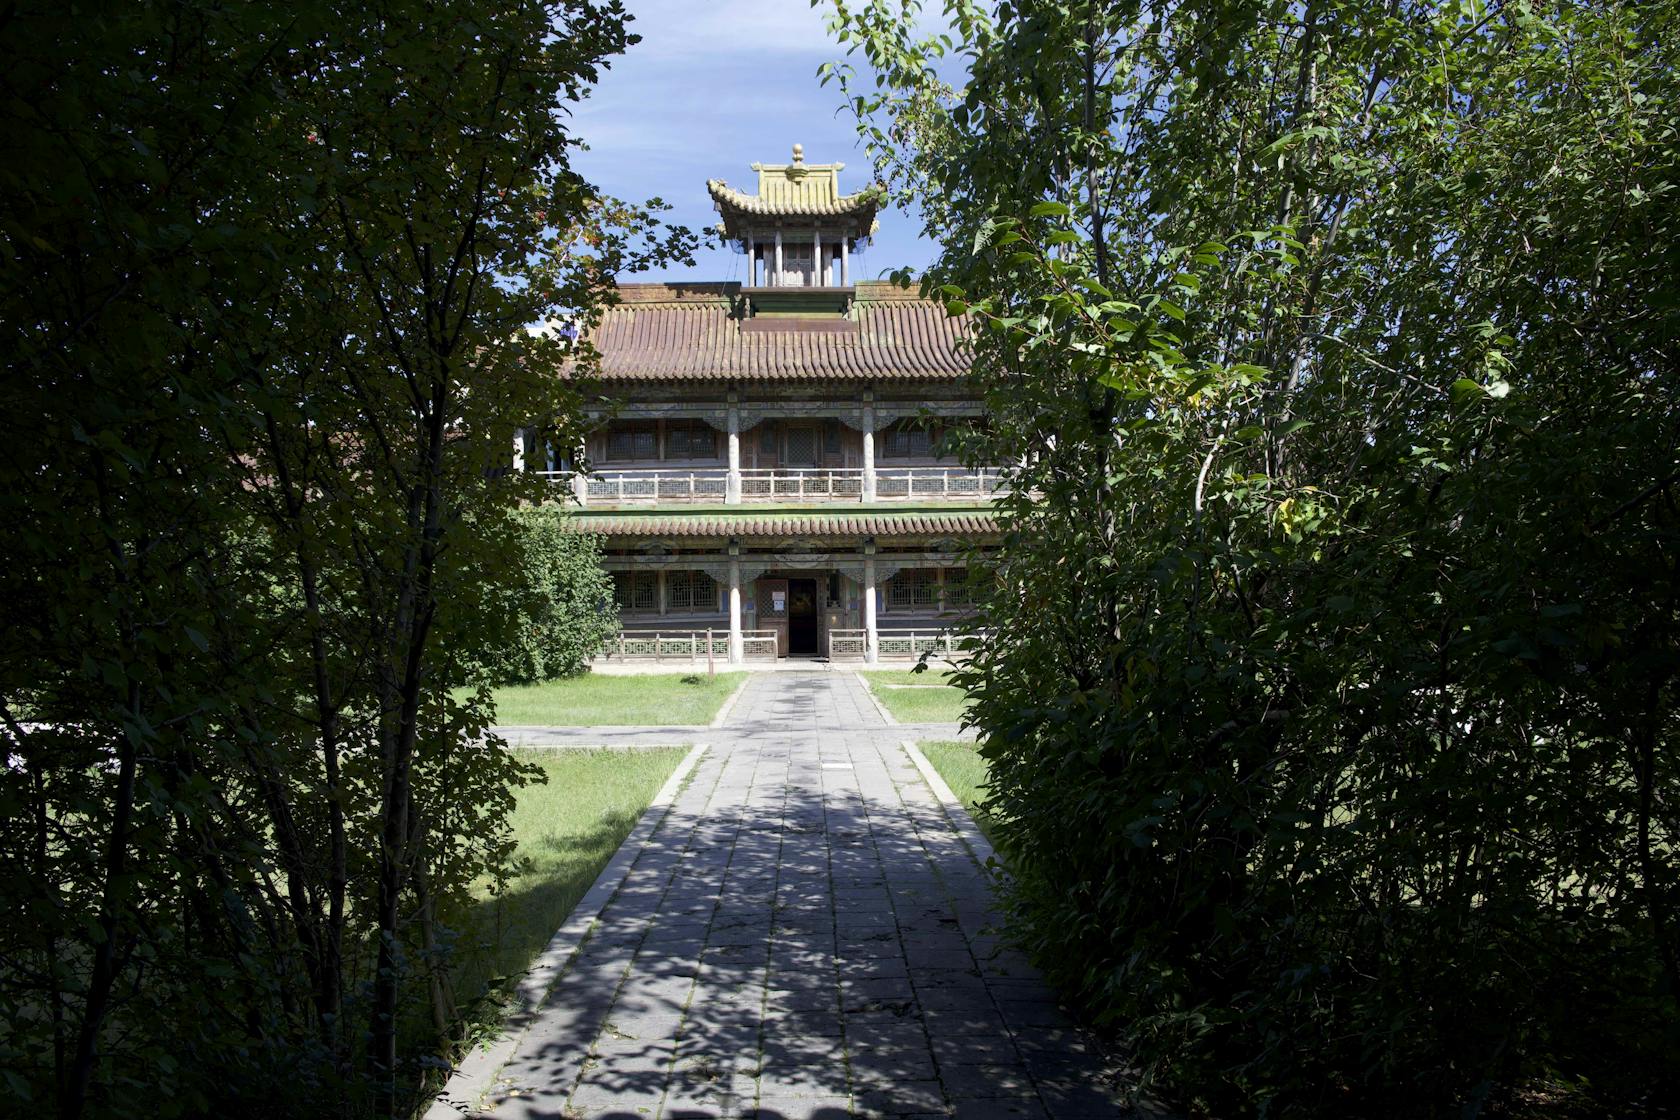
column 557, row 602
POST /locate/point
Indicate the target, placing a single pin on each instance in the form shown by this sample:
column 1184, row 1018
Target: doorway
column 802, row 618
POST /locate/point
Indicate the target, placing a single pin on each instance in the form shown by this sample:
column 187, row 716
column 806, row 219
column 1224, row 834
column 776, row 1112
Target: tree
column 265, row 286
column 1332, row 705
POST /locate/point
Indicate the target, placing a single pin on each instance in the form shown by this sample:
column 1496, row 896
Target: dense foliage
column 264, row 271
column 556, row 599
column 1332, row 702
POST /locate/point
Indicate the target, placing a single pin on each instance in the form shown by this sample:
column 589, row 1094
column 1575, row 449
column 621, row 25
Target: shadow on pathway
column 805, row 935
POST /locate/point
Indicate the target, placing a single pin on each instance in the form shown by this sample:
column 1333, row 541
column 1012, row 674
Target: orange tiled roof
column 692, row 332
column 908, row 524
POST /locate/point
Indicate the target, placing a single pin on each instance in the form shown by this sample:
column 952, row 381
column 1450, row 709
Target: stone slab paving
column 804, row 937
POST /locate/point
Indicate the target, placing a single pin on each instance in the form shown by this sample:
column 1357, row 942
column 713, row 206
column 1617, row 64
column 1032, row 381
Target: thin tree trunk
column 103, row 976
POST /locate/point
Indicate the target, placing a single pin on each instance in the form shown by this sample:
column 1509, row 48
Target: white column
column 580, row 484
column 817, row 273
column 869, row 447
column 736, row 652
column 871, row 652
column 519, row 449
column 776, row 280
column 732, row 489
column 845, row 263
column 752, row 261
column 662, row 592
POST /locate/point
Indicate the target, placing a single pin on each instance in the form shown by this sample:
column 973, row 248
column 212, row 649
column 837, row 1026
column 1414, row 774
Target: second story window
column 690, row 439
column 633, row 441
column 907, row 439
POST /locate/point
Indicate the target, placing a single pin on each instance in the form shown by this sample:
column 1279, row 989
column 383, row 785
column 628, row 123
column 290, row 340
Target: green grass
column 916, row 697
column 965, row 772
column 566, row 831
column 592, row 700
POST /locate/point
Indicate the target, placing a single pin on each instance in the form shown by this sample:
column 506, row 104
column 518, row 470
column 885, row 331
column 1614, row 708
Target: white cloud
column 713, row 87
column 690, row 28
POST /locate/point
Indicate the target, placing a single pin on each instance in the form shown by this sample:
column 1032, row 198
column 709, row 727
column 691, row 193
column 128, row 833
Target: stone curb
column 869, row 691
column 954, row 809
column 462, row 1094
column 729, row 704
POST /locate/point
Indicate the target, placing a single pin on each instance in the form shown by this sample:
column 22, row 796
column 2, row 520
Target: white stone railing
column 654, row 485
column 658, row 484
column 802, row 484
column 853, row 645
column 893, row 483
column 691, row 645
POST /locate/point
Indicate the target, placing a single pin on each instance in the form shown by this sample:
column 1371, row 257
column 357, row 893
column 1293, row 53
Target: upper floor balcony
column 665, row 485
column 781, row 460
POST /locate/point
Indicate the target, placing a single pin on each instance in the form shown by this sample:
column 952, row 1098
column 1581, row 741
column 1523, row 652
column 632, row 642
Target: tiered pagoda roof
column 698, row 332
column 796, row 190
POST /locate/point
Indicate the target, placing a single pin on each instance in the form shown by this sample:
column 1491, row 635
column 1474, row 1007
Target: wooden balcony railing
column 705, row 484
column 802, row 484
column 689, row 645
column 657, row 485
column 936, row 482
column 853, row 645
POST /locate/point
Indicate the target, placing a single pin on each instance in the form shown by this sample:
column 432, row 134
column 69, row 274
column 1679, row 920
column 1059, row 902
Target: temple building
column 766, row 473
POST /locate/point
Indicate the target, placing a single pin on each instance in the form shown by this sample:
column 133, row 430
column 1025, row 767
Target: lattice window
column 831, row 437
column 908, row 439
column 633, row 441
column 635, row 592
column 802, row 446
column 690, row 439
column 958, row 591
column 916, row 587
column 767, row 439
column 690, row 591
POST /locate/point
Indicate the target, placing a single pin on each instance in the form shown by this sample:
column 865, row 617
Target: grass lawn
column 592, row 700
column 965, row 772
column 916, row 697
column 566, row 832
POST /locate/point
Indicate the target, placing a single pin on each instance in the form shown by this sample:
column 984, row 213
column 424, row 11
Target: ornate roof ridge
column 862, row 203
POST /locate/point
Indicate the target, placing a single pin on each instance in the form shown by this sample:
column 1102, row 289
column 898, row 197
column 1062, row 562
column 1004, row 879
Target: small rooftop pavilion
column 798, row 231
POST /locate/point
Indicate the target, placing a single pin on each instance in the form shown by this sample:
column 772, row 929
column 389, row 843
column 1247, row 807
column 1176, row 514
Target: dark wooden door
column 802, row 616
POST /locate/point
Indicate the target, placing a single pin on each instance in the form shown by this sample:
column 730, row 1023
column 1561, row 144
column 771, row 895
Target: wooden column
column 871, row 646
column 869, row 445
column 737, row 652
column 732, row 488
column 580, row 484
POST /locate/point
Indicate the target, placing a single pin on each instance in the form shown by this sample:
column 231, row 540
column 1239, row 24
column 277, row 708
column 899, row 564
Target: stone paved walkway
column 804, row 936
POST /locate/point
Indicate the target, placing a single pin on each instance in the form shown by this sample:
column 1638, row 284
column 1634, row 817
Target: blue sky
column 714, row 86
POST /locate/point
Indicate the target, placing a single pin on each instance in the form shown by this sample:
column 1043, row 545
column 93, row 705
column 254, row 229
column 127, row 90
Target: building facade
column 765, row 472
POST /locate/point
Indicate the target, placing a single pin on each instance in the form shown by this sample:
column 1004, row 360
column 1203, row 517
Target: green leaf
column 1464, row 390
